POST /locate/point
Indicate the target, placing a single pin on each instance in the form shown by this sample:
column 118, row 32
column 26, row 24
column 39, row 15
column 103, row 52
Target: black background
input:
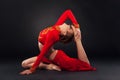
column 21, row 21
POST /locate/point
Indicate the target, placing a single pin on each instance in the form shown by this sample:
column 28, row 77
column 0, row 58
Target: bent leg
column 53, row 67
column 27, row 63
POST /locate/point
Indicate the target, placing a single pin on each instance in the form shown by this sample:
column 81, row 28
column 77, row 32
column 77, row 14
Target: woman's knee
column 24, row 64
column 53, row 54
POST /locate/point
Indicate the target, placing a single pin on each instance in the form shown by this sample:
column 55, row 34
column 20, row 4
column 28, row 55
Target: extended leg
column 70, row 64
column 81, row 52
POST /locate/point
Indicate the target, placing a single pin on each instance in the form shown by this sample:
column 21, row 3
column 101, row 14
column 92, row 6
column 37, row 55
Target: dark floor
column 106, row 70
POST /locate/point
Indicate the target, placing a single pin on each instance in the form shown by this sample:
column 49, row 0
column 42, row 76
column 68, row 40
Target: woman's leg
column 81, row 52
column 70, row 64
column 53, row 52
column 27, row 63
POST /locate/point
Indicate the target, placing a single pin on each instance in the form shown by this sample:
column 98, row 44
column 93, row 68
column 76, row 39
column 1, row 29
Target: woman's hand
column 26, row 72
column 77, row 33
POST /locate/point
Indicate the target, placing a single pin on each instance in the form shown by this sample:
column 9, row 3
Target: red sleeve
column 67, row 15
column 50, row 40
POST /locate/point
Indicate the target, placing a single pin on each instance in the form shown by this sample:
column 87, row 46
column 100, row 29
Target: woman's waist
column 41, row 40
column 51, row 55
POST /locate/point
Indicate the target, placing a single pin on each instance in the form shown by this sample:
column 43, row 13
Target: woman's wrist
column 76, row 25
column 32, row 69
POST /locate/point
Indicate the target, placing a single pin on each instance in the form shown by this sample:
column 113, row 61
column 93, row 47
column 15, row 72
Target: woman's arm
column 50, row 40
column 44, row 50
column 37, row 62
column 67, row 14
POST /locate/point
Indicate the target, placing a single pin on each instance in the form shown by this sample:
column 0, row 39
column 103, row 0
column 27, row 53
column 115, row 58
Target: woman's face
column 66, row 30
column 69, row 31
column 66, row 34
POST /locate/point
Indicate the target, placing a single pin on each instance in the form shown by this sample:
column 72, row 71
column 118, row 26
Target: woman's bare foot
column 53, row 67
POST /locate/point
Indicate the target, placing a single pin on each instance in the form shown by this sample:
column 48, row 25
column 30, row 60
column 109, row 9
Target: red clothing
column 67, row 15
column 50, row 36
column 70, row 64
column 47, row 38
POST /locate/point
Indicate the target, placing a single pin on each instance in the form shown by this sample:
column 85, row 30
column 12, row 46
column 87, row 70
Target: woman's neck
column 63, row 28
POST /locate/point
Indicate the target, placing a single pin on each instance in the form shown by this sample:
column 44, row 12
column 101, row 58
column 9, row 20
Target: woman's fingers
column 73, row 28
column 77, row 33
column 74, row 31
column 25, row 72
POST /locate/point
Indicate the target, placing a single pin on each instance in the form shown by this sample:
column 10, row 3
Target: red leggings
column 70, row 64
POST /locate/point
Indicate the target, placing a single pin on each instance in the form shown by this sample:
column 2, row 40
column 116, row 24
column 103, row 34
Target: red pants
column 70, row 64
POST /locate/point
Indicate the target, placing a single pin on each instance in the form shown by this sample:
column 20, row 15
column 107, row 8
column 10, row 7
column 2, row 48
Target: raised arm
column 67, row 15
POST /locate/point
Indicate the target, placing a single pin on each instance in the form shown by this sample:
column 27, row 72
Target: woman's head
column 66, row 33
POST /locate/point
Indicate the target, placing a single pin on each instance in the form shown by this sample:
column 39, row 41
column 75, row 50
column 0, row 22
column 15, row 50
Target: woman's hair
column 66, row 38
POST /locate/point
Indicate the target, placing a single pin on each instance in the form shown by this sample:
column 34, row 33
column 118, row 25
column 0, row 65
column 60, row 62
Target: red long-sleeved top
column 50, row 35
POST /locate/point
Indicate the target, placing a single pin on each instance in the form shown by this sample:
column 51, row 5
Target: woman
column 57, row 59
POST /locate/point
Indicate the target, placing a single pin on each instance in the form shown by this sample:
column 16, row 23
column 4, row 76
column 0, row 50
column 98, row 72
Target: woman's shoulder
column 53, row 34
